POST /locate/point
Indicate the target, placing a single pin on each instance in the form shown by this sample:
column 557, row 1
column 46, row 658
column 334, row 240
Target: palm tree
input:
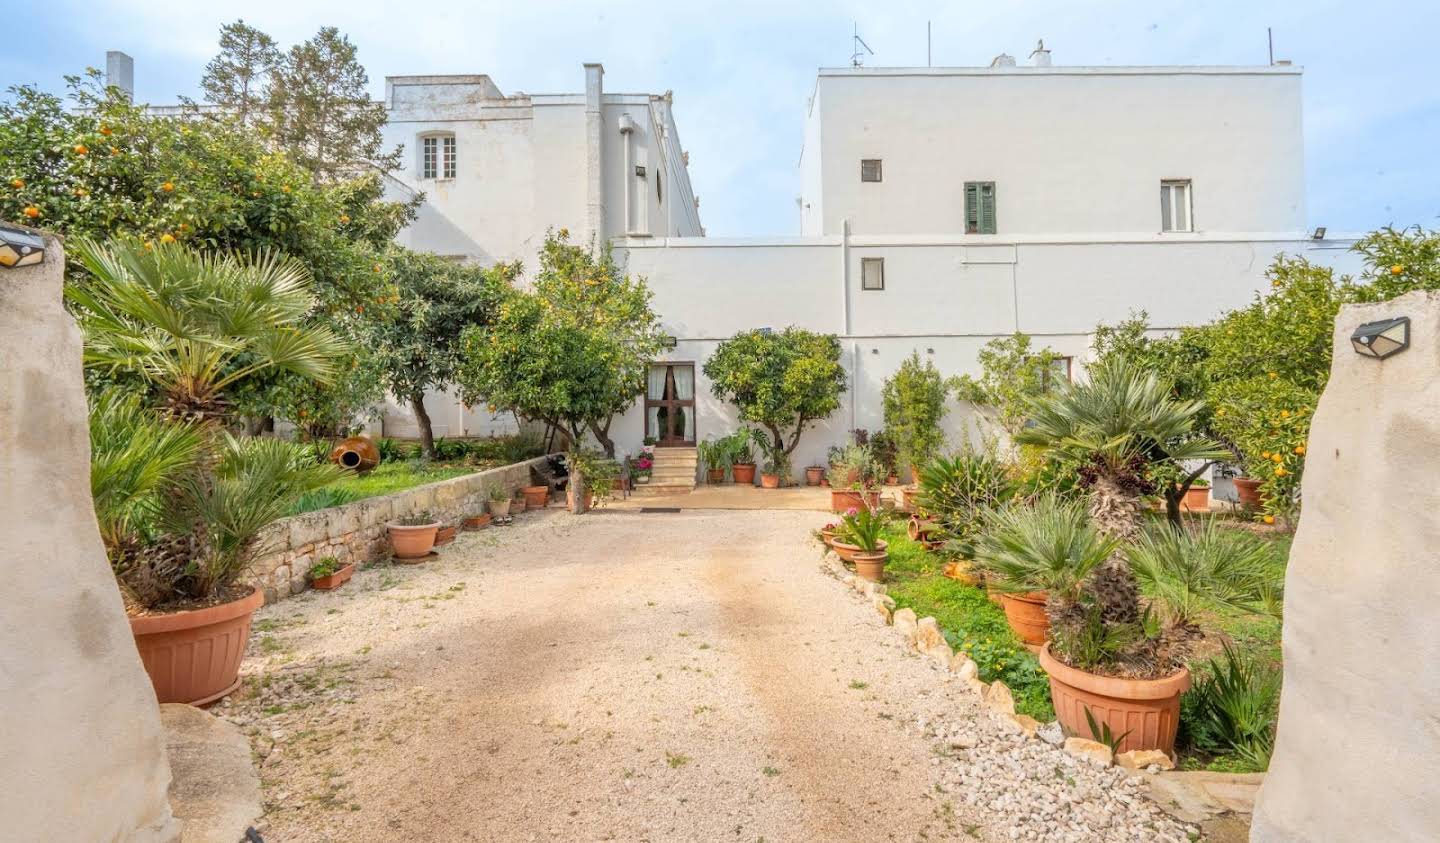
column 1115, row 427
column 194, row 325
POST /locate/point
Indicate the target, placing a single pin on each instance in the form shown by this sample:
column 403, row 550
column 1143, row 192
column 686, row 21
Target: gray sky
column 741, row 70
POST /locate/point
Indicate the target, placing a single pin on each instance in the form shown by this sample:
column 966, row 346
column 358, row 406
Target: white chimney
column 120, row 72
column 1003, row 60
column 1040, row 55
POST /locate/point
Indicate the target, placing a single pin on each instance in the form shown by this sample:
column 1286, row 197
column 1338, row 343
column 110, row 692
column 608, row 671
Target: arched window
column 437, row 156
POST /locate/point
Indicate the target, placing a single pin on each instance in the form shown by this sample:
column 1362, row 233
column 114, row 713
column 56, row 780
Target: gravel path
column 627, row 676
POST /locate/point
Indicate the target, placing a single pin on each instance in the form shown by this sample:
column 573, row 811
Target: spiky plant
column 960, row 489
column 194, row 325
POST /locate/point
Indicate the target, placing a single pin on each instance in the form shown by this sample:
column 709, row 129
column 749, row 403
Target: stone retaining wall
column 355, row 532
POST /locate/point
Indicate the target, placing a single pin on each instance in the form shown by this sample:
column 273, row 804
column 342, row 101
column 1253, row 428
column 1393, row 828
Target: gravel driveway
column 629, row 676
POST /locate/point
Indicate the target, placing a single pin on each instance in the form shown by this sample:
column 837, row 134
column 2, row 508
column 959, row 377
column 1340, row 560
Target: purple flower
column 852, row 512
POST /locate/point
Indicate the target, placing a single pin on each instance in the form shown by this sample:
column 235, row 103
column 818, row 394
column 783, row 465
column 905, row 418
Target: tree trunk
column 1173, row 496
column 578, row 502
column 422, row 420
column 1116, row 512
column 602, row 435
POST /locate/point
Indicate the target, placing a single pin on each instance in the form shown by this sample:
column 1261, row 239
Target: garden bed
column 386, row 479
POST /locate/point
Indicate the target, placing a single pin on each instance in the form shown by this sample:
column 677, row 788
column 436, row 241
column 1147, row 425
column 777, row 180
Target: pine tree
column 321, row 112
column 238, row 79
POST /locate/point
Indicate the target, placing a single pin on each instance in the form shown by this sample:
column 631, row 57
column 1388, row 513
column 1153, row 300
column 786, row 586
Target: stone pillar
column 1358, row 752
column 84, row 754
column 594, row 155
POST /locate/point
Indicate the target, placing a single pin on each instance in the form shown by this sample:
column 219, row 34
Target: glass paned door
column 670, row 404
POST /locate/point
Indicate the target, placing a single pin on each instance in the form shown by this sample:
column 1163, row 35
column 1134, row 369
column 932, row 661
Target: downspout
column 845, row 312
column 594, row 177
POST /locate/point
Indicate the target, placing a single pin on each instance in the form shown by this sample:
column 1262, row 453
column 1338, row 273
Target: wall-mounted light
column 640, row 170
column 929, row 351
column 668, row 342
column 1319, row 233
column 20, row 248
column 1382, row 339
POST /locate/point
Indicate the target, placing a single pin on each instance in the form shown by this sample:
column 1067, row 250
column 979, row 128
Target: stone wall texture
column 1358, row 749
column 356, row 531
column 80, row 737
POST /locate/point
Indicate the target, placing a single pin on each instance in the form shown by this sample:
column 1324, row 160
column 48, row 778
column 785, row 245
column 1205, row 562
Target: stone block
column 999, row 699
column 1021, row 723
column 928, row 635
column 1139, row 759
column 1091, row 752
column 308, row 528
column 905, row 623
column 963, row 666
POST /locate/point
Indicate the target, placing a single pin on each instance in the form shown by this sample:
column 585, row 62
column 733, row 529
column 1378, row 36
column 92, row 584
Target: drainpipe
column 627, row 130
column 594, row 125
column 845, row 311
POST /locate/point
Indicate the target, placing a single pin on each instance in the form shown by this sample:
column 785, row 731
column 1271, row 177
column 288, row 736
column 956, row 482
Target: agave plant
column 959, row 490
column 1233, row 707
column 193, row 325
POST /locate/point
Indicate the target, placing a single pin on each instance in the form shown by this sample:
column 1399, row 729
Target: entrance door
column 670, row 404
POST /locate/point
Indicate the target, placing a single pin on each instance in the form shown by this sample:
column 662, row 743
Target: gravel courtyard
column 638, row 676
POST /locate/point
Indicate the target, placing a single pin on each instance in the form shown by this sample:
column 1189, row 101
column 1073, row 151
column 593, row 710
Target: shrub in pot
column 862, row 528
column 777, row 464
column 853, row 480
column 715, row 454
column 413, row 536
column 329, row 574
column 499, row 502
column 181, row 506
column 742, row 456
column 593, row 475
column 1123, row 669
column 1197, row 497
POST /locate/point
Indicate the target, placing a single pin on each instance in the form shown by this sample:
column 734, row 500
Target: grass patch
column 385, row 479
column 970, row 622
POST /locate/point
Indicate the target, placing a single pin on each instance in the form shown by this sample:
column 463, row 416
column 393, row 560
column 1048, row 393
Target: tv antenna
column 860, row 48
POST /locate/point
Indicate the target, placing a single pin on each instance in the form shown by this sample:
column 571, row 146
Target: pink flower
column 852, row 512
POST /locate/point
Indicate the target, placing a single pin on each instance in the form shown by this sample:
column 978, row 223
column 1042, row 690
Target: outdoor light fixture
column 1319, row 233
column 1382, row 339
column 20, row 248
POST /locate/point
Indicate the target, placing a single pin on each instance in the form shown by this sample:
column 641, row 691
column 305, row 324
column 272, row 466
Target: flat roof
column 1071, row 70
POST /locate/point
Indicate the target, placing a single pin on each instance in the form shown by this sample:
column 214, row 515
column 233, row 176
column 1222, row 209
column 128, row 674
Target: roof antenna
column 857, row 58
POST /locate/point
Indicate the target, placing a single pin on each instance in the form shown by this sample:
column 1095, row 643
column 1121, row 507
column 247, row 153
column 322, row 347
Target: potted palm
column 956, row 491
column 862, row 528
column 182, row 504
column 413, row 536
column 715, row 454
column 742, row 456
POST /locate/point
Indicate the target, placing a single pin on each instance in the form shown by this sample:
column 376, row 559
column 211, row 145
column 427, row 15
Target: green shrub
column 958, row 490
column 914, row 403
column 1231, row 709
column 322, row 498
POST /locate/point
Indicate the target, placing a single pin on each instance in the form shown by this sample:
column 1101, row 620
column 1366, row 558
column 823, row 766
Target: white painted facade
column 1077, row 157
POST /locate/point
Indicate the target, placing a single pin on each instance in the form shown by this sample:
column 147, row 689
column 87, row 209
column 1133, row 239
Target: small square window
column 872, row 273
column 1175, row 206
column 870, row 170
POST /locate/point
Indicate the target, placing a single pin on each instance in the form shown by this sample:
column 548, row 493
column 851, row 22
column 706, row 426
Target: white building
column 940, row 208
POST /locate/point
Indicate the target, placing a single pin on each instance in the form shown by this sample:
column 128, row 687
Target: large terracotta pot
column 870, row 566
column 194, row 657
column 1149, row 709
column 329, row 582
column 536, row 497
column 769, row 481
column 413, row 542
column 498, row 509
column 1197, row 499
column 847, row 551
column 1248, row 490
column 1026, row 614
column 518, row 504
column 357, row 453
column 743, row 472
column 843, row 499
column 814, row 475
column 715, row 476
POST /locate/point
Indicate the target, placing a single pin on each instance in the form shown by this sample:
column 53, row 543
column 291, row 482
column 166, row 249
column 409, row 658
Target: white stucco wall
column 1071, row 149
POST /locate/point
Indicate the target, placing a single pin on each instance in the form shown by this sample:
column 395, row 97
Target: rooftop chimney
column 1003, row 60
column 120, row 72
column 1040, row 55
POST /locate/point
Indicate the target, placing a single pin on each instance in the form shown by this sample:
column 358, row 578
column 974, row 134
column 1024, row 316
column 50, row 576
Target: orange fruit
column 167, row 186
column 1277, row 458
column 105, row 130
column 114, row 150
column 1269, row 519
column 167, row 237
column 183, row 226
column 1280, row 471
column 81, row 149
column 80, row 191
column 17, row 183
column 344, row 218
column 285, row 188
column 1396, row 269
column 1300, row 449
column 1265, row 454
column 1273, row 376
column 31, row 211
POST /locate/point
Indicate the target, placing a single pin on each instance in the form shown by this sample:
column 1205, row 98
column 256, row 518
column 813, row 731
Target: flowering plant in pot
column 329, row 574
column 862, row 529
column 413, row 536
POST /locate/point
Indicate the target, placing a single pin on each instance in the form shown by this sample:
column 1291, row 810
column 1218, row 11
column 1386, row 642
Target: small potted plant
column 445, row 535
column 852, row 481
column 716, row 456
column 814, row 475
column 413, row 536
column 642, row 467
column 328, row 574
column 742, row 456
column 1197, row 497
column 536, row 497
column 862, row 529
column 499, row 502
column 777, row 462
column 477, row 522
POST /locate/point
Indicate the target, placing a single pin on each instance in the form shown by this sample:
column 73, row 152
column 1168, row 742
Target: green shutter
column 987, row 208
column 972, row 207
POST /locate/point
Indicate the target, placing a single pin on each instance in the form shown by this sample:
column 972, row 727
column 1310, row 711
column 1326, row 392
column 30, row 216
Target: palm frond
column 135, row 458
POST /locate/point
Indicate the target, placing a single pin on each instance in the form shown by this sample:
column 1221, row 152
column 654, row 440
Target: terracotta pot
column 852, row 477
column 918, row 529
column 743, row 472
column 1026, row 614
column 907, row 499
column 1149, row 709
column 518, row 505
column 498, row 509
column 847, row 551
column 1248, row 490
column 335, row 580
column 769, row 481
column 871, row 566
column 536, row 497
column 827, row 536
column 1197, row 499
column 814, row 475
column 619, row 484
column 357, row 453
column 413, row 542
column 915, row 475
column 825, row 481
column 843, row 499
column 445, row 535
column 477, row 522
column 194, row 657
column 714, row 476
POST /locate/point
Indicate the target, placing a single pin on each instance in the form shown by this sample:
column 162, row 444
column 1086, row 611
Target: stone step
column 655, row 490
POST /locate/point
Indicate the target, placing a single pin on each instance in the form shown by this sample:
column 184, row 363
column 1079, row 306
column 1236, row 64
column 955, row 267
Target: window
column 979, row 207
column 1175, row 206
column 437, row 157
column 870, row 170
column 872, row 273
column 1059, row 371
column 659, row 186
